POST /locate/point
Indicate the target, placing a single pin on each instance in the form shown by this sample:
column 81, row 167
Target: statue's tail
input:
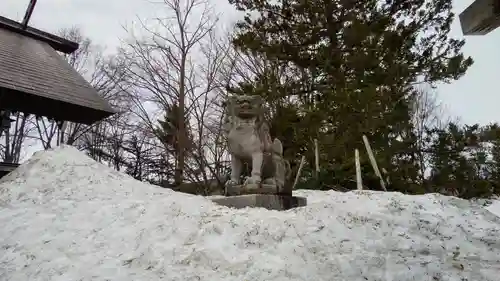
column 277, row 147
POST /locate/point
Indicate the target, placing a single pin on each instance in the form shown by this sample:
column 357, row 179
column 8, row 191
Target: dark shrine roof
column 35, row 79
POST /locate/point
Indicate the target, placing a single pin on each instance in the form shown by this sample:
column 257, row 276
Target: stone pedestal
column 252, row 189
column 267, row 201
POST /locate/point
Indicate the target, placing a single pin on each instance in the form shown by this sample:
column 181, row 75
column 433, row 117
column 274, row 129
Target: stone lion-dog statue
column 249, row 142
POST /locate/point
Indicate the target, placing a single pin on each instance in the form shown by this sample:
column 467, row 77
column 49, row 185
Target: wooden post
column 316, row 157
column 373, row 162
column 302, row 161
column 359, row 183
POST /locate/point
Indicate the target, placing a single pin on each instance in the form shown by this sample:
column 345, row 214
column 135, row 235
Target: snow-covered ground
column 65, row 217
column 495, row 208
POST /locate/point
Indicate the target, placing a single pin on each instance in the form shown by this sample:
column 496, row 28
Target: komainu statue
column 250, row 143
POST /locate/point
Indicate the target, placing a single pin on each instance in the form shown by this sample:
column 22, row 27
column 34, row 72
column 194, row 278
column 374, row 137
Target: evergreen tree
column 459, row 160
column 168, row 134
column 351, row 67
column 493, row 137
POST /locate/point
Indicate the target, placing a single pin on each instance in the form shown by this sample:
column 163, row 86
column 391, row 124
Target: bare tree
column 164, row 68
column 101, row 73
column 15, row 137
column 427, row 113
column 82, row 57
column 209, row 155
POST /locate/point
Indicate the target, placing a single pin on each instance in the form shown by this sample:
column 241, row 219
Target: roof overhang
column 481, row 17
column 19, row 101
column 36, row 79
column 57, row 43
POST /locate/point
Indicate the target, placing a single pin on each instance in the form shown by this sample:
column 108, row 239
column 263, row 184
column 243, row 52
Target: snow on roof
column 67, row 217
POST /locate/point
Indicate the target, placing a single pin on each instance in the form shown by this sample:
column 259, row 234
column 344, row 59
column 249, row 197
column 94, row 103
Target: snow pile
column 66, row 217
column 494, row 208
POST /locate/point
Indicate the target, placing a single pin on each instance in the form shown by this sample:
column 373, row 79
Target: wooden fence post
column 373, row 162
column 316, row 157
column 302, row 161
column 359, row 183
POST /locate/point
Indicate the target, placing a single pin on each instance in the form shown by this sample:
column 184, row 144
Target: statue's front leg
column 257, row 161
column 236, row 169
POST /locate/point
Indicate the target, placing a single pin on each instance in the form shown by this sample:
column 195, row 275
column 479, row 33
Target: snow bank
column 494, row 208
column 66, row 217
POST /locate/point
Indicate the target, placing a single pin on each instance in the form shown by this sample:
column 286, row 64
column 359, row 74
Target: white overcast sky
column 474, row 98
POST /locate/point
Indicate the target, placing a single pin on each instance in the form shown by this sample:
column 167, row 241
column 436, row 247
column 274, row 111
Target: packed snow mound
column 67, row 217
column 494, row 208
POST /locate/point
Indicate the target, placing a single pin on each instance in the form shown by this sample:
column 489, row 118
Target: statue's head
column 246, row 106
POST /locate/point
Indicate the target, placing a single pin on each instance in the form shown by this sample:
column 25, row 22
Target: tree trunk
column 179, row 170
